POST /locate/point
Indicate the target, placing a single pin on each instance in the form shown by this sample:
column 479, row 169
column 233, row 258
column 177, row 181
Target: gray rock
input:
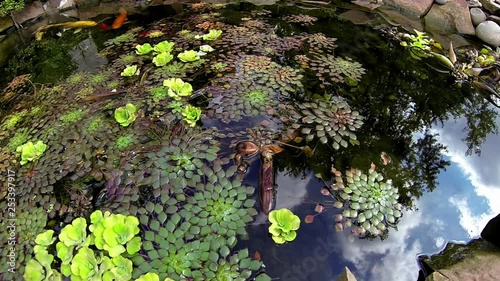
column 450, row 18
column 490, row 5
column 489, row 32
column 441, row 2
column 411, row 7
column 477, row 16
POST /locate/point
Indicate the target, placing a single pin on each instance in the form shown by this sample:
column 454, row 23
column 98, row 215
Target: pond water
column 271, row 75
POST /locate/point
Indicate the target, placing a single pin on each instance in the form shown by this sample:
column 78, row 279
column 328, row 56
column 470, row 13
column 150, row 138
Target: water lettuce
column 188, row 56
column 213, row 34
column 162, row 59
column 125, row 115
column 143, row 49
column 130, row 70
column 164, row 47
column 191, row 115
column 178, row 88
column 283, row 225
column 30, row 151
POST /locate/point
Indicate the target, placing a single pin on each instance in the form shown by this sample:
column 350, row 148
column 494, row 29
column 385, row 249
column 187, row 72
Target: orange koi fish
column 120, row 19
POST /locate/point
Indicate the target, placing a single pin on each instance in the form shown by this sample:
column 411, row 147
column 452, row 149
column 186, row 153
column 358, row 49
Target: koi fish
column 104, row 26
column 74, row 24
column 120, row 19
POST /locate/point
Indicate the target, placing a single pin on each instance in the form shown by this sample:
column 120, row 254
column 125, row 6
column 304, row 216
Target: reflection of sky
column 457, row 210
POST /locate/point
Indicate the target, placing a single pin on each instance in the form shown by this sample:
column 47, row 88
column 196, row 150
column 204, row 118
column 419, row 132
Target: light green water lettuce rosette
column 283, row 225
column 30, row 151
column 191, row 115
column 125, row 115
column 178, row 88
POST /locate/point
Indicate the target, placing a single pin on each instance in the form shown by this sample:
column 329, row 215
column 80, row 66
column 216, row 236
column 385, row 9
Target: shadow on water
column 400, row 98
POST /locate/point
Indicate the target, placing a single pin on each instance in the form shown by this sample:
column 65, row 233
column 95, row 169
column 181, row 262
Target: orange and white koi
column 120, row 19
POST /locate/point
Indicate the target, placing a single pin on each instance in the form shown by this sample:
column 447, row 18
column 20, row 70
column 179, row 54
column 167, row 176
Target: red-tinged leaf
column 319, row 208
column 256, row 255
column 325, row 192
column 309, row 219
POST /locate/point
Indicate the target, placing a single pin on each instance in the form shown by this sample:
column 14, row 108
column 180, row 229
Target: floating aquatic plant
column 336, row 69
column 125, row 37
column 130, row 70
column 125, row 115
column 368, row 202
column 30, row 222
column 191, row 115
column 178, row 88
column 304, row 20
column 283, row 225
column 143, row 49
column 164, row 47
column 162, row 59
column 123, row 142
column 188, row 56
column 333, row 122
column 31, row 152
column 72, row 117
column 109, row 233
column 20, row 137
column 213, row 34
column 319, row 42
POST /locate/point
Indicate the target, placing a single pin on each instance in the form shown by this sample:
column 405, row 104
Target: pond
column 197, row 125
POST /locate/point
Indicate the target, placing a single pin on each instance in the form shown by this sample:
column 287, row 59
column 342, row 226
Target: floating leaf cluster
column 19, row 231
column 333, row 123
column 336, row 69
column 304, row 20
column 368, row 202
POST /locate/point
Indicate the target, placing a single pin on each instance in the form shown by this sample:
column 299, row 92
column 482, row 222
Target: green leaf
column 143, row 49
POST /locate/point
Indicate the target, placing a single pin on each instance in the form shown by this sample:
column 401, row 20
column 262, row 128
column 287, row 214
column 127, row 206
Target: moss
column 113, row 84
column 75, row 79
column 94, row 125
column 99, row 78
column 72, row 116
column 12, row 120
column 85, row 92
column 123, row 142
column 18, row 139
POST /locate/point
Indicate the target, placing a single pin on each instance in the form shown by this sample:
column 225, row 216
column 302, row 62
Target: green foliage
column 98, row 256
column 143, row 49
column 369, row 202
column 159, row 93
column 176, row 106
column 125, row 115
column 94, row 125
column 164, row 47
column 123, row 142
column 72, row 117
column 188, row 56
column 8, row 6
column 283, row 225
column 162, row 59
column 420, row 44
column 130, row 70
column 125, row 37
column 213, row 34
column 99, row 78
column 18, row 139
column 30, row 151
column 178, row 88
column 11, row 121
column 191, row 115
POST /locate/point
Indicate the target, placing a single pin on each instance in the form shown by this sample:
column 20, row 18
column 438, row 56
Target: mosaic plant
column 368, row 202
column 336, row 69
column 334, row 123
column 20, row 233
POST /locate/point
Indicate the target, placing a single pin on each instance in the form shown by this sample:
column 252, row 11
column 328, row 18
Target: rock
column 489, row 32
column 346, row 275
column 357, row 17
column 411, row 7
column 491, row 231
column 5, row 23
column 450, row 18
column 441, row 2
column 477, row 16
column 29, row 12
column 476, row 261
column 490, row 5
